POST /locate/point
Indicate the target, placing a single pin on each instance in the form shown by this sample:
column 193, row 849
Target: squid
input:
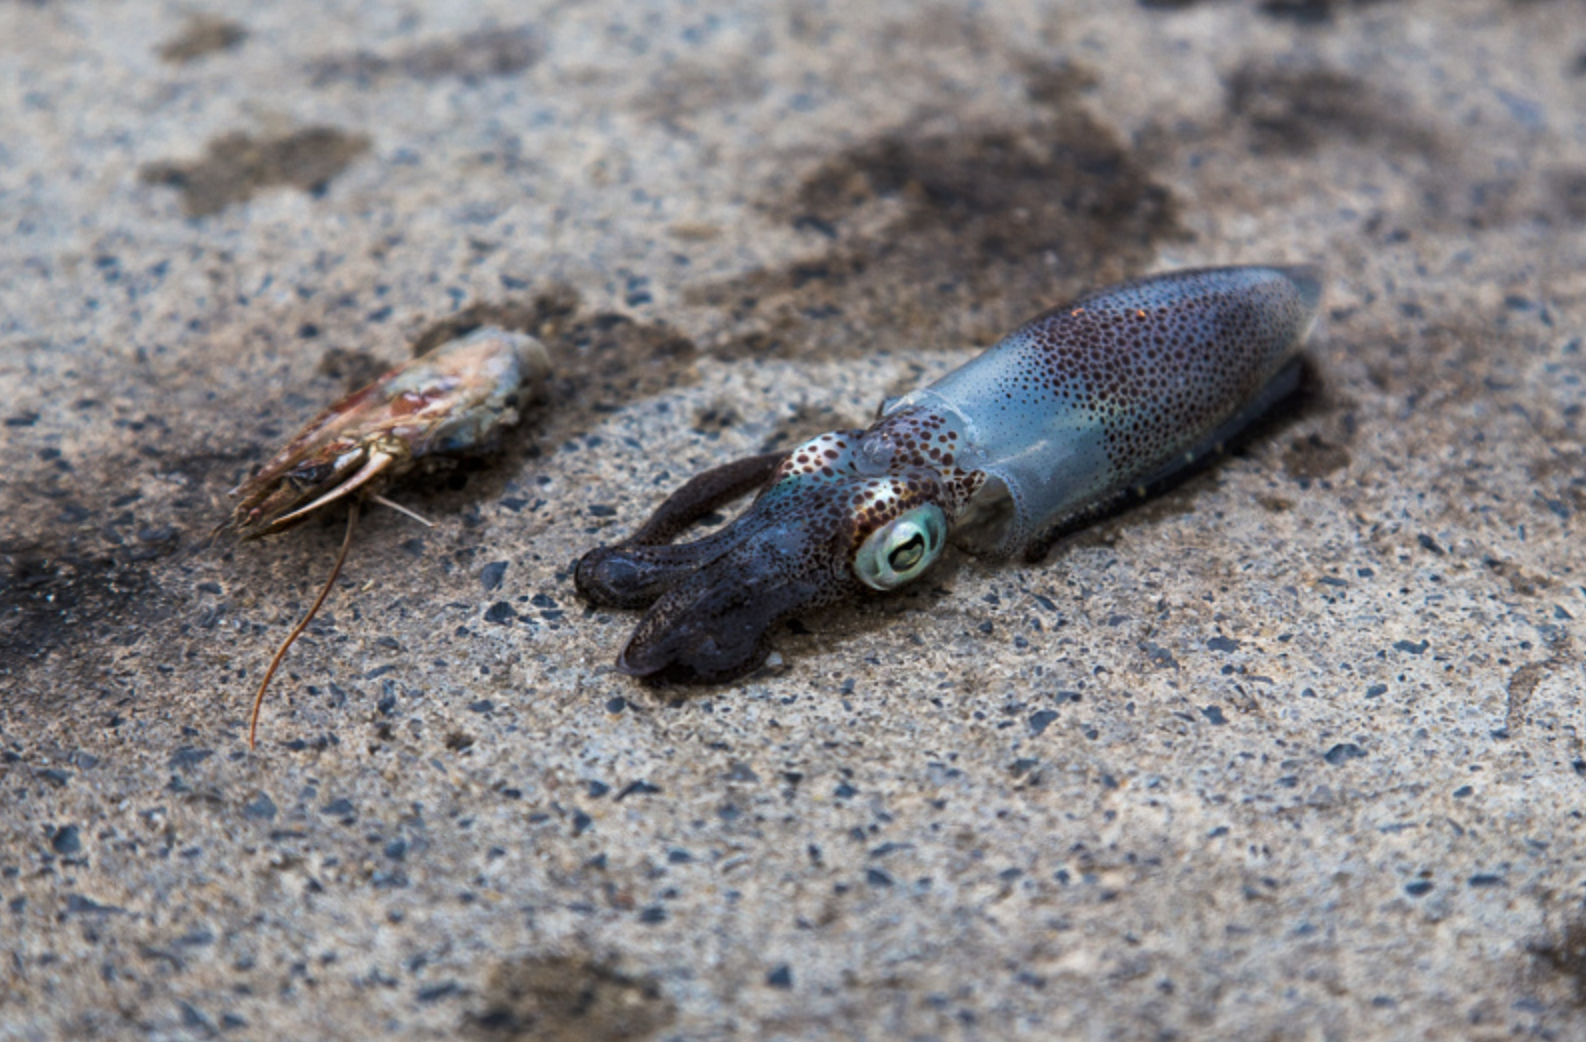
column 1121, row 392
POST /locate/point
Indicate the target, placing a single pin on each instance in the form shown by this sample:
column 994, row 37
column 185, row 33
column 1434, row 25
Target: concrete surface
column 1292, row 753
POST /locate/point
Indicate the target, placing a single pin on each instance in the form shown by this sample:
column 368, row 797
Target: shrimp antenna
column 399, row 508
column 341, row 558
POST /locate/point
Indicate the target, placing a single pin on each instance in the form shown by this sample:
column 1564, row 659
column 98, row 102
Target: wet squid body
column 1115, row 393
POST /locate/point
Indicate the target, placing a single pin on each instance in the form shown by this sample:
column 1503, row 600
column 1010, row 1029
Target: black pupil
column 907, row 554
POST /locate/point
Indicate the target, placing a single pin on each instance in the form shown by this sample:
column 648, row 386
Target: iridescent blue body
column 1115, row 392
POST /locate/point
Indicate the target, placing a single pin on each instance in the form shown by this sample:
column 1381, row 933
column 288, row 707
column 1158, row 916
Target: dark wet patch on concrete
column 1056, row 83
column 1314, row 456
column 569, row 999
column 202, row 35
column 685, row 91
column 1311, row 12
column 479, row 55
column 354, row 369
column 75, row 606
column 92, row 560
column 934, row 235
column 1449, row 360
column 1468, row 367
column 237, row 166
column 1567, row 194
column 1295, row 111
column 1301, row 12
column 714, row 418
column 1522, row 582
column 1563, row 953
column 1561, row 468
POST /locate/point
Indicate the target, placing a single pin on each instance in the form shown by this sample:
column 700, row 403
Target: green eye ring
column 901, row 549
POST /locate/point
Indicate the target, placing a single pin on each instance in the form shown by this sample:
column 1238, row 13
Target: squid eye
column 902, row 548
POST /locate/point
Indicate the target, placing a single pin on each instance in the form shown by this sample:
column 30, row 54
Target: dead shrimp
column 453, row 401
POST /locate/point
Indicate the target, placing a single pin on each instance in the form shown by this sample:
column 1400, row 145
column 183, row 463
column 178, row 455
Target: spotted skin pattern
column 1117, row 390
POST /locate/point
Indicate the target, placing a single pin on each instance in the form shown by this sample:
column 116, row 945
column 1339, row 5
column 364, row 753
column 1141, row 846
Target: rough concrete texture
column 1294, row 752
